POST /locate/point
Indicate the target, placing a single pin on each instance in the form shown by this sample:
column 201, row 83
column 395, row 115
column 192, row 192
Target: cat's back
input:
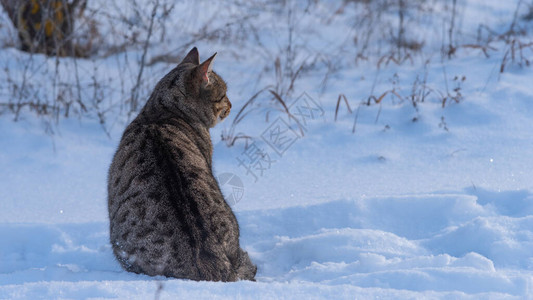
column 143, row 179
column 152, row 160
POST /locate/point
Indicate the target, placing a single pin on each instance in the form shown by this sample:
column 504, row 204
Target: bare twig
column 135, row 90
column 451, row 48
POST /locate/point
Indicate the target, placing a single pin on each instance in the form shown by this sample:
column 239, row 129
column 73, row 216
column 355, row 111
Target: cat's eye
column 221, row 98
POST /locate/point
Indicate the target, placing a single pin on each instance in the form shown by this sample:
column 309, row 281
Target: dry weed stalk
column 342, row 97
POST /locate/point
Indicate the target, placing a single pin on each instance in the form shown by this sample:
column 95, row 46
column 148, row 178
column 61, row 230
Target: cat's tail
column 245, row 269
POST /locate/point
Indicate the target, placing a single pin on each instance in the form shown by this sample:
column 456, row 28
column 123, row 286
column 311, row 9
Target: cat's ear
column 205, row 68
column 192, row 57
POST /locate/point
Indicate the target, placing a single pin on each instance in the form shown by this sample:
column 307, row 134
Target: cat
column 167, row 213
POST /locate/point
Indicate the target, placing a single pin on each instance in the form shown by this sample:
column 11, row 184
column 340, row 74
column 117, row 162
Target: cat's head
column 198, row 91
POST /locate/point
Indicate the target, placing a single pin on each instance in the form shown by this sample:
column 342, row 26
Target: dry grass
column 384, row 33
column 342, row 97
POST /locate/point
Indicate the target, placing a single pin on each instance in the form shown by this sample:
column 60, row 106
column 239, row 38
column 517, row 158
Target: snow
column 437, row 208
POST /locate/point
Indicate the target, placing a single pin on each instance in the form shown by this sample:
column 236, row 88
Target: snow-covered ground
column 417, row 203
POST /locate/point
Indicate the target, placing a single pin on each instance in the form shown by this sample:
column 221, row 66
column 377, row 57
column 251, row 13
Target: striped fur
column 167, row 213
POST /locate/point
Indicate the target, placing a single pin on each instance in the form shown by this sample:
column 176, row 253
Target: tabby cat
column 167, row 213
